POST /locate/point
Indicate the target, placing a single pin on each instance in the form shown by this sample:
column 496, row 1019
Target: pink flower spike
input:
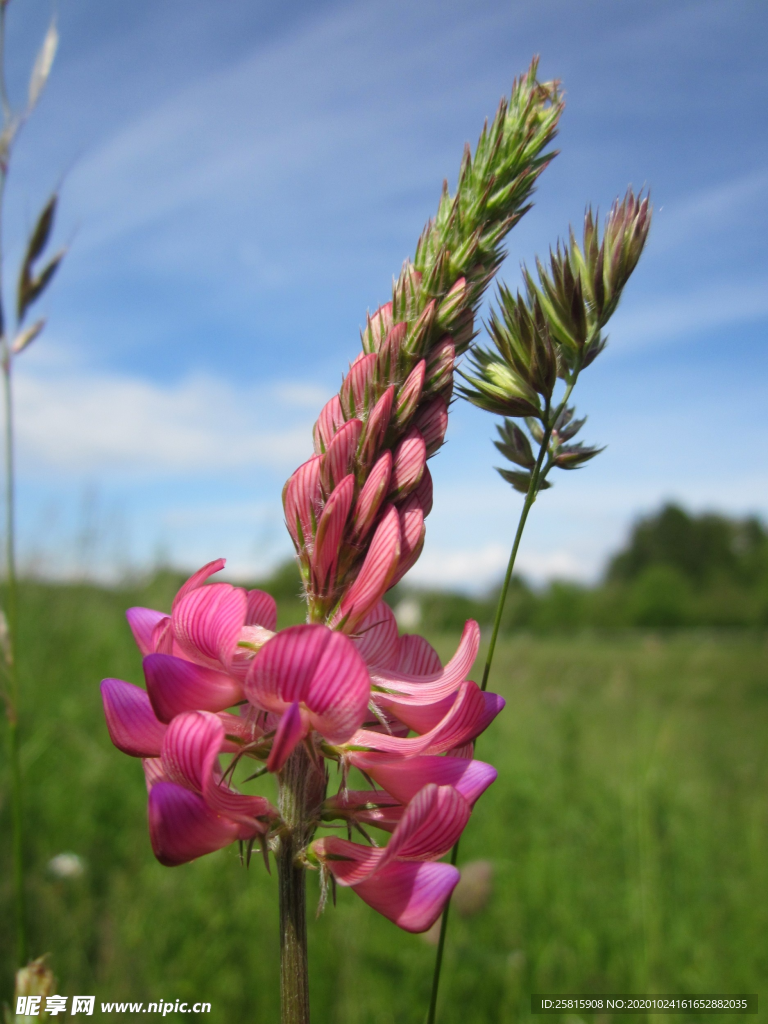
column 337, row 462
column 261, row 610
column 376, row 427
column 404, row 777
column 413, row 688
column 302, row 502
column 471, row 713
column 329, row 421
column 198, row 578
column 207, row 622
column 176, row 685
column 290, row 732
column 432, row 422
column 409, row 461
column 142, row 622
column 376, row 637
column 317, row 667
column 371, row 497
column 133, row 727
column 330, row 531
column 376, row 573
column 182, row 827
column 410, row 894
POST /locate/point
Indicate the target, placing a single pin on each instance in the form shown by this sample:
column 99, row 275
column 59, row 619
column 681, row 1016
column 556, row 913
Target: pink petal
column 404, row 777
column 417, row 657
column 302, row 502
column 131, row 721
column 142, row 622
column 356, row 395
column 162, row 637
column 330, row 531
column 376, row 427
column 328, row 422
column 423, row 492
column 471, row 713
column 153, row 771
column 412, row 532
column 261, row 610
column 432, row 422
column 182, row 827
column 371, row 497
column 411, row 895
column 412, row 688
column 376, row 637
column 377, row 327
column 410, row 394
column 190, row 757
column 208, row 621
column 175, row 685
column 409, row 460
column 349, row 863
column 341, row 453
column 389, row 367
column 433, row 821
column 321, row 669
column 376, row 573
column 419, row 717
column 198, row 578
column 290, row 732
column 367, row 806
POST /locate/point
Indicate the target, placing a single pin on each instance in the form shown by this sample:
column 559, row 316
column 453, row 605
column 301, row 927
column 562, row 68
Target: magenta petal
column 412, row 895
column 182, row 827
column 282, row 670
column 176, row 685
column 330, row 530
column 261, row 610
column 198, row 578
column 419, row 717
column 302, row 502
column 376, row 637
column 341, row 451
column 410, row 687
column 409, row 462
column 290, row 732
column 133, row 727
column 142, row 622
column 376, row 573
column 433, row 821
column 349, row 863
column 371, row 496
column 404, row 777
column 328, row 422
column 208, row 620
column 471, row 713
column 417, row 657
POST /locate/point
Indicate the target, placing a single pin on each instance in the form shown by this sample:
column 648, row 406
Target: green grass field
column 628, row 833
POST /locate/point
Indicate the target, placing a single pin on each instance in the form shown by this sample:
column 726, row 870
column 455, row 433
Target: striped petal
column 376, row 427
column 142, row 622
column 348, row 862
column 182, row 827
column 371, row 496
column 471, row 713
column 317, row 667
column 432, row 422
column 261, row 609
column 404, row 777
column 412, row 533
column 419, row 717
column 409, row 460
column 433, row 821
column 340, row 455
column 413, row 688
column 356, row 395
column 410, row 894
column 331, row 418
column 302, row 501
column 133, row 727
column 330, row 531
column 423, row 492
column 417, row 657
column 290, row 732
column 198, row 578
column 376, row 573
column 175, row 685
column 376, row 637
column 208, row 620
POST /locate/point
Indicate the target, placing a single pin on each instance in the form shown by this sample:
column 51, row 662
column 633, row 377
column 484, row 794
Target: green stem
column 530, row 497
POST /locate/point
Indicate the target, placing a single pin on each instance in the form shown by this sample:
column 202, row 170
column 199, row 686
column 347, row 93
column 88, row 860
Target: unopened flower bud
column 409, row 396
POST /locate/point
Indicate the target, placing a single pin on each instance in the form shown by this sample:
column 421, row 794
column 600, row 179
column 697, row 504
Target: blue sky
column 242, row 179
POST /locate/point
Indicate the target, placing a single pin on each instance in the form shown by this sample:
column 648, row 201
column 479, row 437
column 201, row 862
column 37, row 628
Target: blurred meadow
column 627, row 834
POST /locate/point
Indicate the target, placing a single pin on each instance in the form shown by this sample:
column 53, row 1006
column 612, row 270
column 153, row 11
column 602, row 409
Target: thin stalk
column 301, row 789
column 530, row 497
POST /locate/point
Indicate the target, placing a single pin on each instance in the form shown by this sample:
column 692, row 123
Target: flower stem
column 301, row 789
column 530, row 497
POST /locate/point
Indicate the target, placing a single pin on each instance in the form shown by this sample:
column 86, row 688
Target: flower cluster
column 220, row 680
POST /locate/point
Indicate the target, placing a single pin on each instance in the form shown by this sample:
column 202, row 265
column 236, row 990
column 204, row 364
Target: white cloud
column 110, row 424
